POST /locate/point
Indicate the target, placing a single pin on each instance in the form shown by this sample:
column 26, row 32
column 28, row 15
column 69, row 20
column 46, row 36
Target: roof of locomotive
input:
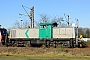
column 45, row 24
column 41, row 24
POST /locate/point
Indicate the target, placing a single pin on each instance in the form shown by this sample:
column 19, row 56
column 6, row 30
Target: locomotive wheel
column 54, row 44
column 48, row 44
column 71, row 43
column 3, row 42
column 80, row 45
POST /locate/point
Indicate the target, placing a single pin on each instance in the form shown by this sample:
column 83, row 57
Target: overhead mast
column 68, row 22
column 31, row 15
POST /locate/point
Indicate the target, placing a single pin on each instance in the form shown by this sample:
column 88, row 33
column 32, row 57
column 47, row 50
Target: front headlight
column 8, row 36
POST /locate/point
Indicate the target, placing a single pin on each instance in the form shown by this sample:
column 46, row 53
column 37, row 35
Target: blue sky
column 10, row 9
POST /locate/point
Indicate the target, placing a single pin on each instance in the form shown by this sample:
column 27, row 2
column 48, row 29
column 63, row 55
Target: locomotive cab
column 45, row 29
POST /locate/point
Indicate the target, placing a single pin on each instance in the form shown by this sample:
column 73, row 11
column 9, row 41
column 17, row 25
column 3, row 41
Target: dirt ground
column 37, row 50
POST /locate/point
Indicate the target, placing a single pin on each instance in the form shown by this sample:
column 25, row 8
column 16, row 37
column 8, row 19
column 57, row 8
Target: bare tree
column 87, row 33
column 58, row 20
column 16, row 24
column 84, row 31
column 22, row 24
column 36, row 24
column 26, row 24
column 44, row 18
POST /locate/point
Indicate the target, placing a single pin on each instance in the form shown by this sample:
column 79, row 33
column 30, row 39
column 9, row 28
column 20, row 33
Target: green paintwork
column 26, row 33
column 45, row 30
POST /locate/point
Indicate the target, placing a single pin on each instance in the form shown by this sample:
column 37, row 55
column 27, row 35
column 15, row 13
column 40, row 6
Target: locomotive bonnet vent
column 13, row 33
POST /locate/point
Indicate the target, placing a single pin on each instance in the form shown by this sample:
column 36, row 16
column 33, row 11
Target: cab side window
column 44, row 26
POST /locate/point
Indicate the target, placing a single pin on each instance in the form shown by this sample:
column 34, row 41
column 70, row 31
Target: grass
column 49, row 56
column 88, row 42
